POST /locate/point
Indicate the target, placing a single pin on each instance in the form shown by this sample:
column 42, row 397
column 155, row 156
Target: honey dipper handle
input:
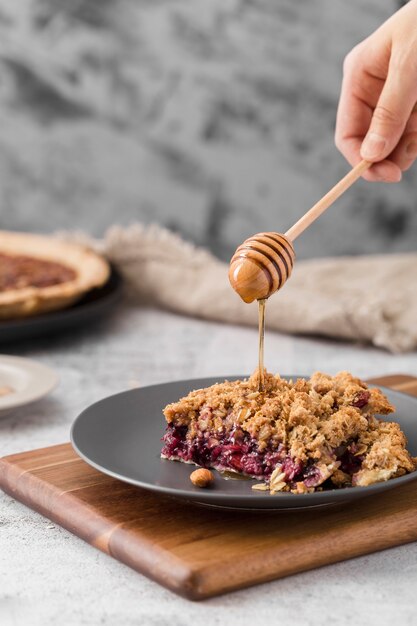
column 327, row 200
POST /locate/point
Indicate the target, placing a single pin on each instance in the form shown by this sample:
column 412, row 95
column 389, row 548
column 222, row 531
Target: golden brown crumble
column 315, row 420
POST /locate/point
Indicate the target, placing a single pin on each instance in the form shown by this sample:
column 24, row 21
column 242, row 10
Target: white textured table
column 48, row 576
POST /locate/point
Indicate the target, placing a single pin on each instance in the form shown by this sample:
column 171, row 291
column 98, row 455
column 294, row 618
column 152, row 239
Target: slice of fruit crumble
column 297, row 436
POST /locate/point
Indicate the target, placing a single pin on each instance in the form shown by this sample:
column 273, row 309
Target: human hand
column 377, row 113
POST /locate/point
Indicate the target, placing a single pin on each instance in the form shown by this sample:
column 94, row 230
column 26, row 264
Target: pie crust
column 88, row 270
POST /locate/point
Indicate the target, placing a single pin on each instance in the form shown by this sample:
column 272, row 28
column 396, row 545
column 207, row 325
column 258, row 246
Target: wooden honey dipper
column 263, row 263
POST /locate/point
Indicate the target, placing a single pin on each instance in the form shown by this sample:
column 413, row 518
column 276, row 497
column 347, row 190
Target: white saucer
column 28, row 381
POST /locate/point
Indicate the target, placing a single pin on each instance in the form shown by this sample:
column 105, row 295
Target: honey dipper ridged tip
column 261, row 265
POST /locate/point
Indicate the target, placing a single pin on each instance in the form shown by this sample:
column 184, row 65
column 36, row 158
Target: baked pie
column 40, row 273
column 300, row 436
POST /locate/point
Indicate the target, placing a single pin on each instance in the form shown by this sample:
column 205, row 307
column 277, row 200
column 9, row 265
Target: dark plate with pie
column 94, row 305
column 121, row 436
column 48, row 285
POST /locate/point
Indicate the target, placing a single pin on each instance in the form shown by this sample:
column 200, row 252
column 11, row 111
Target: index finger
column 359, row 95
column 354, row 114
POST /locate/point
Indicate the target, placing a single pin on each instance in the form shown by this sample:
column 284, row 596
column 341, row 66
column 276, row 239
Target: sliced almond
column 277, row 487
column 361, row 449
column 243, row 415
column 260, row 487
column 277, row 474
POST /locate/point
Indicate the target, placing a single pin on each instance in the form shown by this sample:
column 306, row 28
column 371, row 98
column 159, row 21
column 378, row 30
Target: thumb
column 391, row 113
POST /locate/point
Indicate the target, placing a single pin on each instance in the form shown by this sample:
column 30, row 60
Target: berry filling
column 234, row 451
column 361, row 399
column 237, row 452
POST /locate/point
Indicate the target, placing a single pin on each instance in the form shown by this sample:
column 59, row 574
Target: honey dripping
column 261, row 313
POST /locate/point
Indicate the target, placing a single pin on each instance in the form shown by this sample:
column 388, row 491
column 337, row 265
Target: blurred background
column 214, row 118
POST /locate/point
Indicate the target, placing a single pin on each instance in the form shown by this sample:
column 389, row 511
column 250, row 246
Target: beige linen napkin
column 368, row 298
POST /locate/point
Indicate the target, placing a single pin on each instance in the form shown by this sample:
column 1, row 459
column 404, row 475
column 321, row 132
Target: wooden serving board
column 196, row 551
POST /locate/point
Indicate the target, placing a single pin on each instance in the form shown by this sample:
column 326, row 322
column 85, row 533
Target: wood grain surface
column 200, row 552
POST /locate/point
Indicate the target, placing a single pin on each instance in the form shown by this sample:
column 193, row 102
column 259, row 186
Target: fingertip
column 373, row 147
column 384, row 172
column 369, row 177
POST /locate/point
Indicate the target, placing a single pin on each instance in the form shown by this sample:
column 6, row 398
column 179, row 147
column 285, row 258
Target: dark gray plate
column 121, row 436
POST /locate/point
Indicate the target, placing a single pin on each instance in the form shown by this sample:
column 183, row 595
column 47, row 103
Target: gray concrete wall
column 212, row 117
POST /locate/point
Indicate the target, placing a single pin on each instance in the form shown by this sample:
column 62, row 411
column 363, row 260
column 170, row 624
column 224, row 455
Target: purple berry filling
column 232, row 451
column 236, row 451
column 312, row 476
column 349, row 463
column 361, row 399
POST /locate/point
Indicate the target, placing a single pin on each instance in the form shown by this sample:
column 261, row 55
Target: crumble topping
column 295, row 435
